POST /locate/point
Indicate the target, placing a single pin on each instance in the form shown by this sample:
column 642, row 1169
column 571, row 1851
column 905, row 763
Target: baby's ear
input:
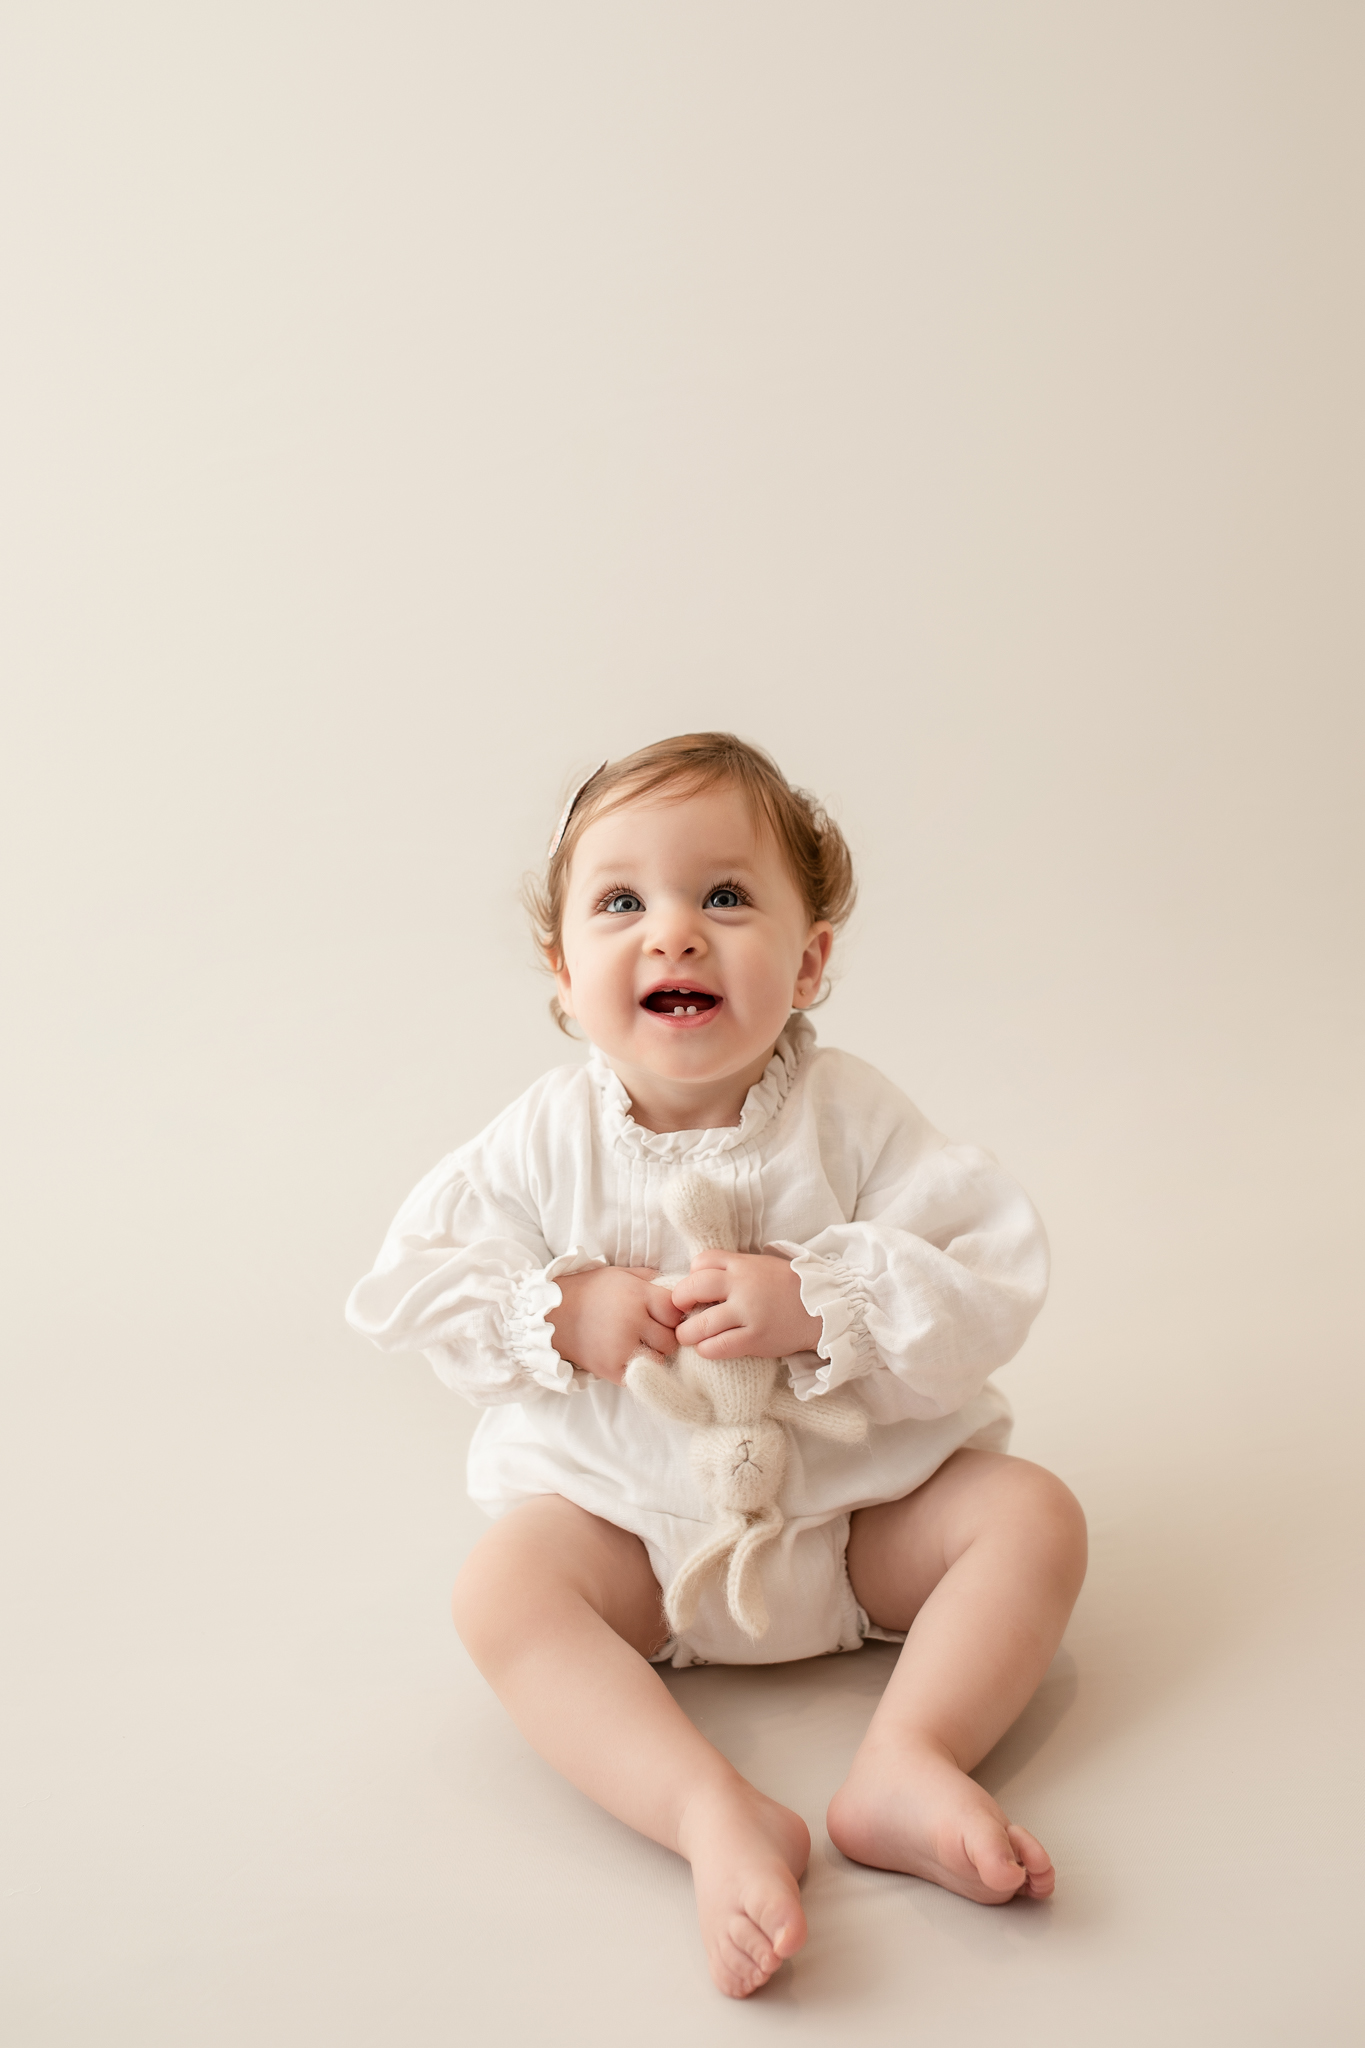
column 554, row 960
column 814, row 962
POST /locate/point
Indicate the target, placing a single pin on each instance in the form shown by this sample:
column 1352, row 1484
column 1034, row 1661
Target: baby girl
column 687, row 915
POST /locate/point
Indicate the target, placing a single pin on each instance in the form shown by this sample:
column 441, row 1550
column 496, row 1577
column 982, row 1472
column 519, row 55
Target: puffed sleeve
column 936, row 1279
column 468, row 1280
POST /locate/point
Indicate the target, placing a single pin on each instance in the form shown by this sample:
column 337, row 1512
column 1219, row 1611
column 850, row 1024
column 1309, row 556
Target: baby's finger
column 735, row 1343
column 709, row 1262
column 698, row 1287
column 709, row 1322
column 659, row 1337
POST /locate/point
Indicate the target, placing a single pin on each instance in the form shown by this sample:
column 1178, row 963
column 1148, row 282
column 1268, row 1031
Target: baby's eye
column 622, row 900
column 726, row 897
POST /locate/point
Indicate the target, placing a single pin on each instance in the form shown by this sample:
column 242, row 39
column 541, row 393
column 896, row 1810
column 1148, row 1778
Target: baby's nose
column 675, row 930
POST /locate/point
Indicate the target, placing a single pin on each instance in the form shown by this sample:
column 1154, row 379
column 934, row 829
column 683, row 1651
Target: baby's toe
column 751, row 1941
column 744, row 1959
column 777, row 1917
column 1042, row 1878
column 989, row 1849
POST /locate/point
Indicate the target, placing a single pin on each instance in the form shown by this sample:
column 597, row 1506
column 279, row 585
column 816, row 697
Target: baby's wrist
column 810, row 1329
column 800, row 1315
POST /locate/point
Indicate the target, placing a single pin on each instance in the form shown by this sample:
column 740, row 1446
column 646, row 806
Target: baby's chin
column 688, row 1058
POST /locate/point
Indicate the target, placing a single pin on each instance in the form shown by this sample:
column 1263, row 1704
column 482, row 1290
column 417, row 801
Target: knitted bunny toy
column 736, row 1411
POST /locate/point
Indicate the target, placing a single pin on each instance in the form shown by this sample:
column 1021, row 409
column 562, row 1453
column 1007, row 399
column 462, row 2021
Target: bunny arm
column 660, row 1387
column 842, row 1421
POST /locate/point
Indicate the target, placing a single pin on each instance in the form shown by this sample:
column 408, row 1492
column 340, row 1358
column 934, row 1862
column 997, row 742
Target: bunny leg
column 743, row 1587
column 680, row 1601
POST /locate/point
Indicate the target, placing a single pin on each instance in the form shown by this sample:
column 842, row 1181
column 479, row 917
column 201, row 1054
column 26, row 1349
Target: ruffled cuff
column 530, row 1339
column 835, row 1293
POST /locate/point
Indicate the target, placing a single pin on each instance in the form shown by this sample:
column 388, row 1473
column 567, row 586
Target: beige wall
column 408, row 405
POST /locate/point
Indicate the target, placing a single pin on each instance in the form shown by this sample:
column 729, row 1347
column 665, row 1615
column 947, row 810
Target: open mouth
column 680, row 1002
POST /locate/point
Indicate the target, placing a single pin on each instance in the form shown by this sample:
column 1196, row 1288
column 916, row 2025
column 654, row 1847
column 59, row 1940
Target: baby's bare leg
column 560, row 1611
column 982, row 1565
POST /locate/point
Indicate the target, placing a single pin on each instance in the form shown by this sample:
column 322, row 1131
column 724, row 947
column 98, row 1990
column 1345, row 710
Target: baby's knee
column 543, row 1570
column 1011, row 1501
column 1054, row 1517
column 497, row 1596
column 478, row 1606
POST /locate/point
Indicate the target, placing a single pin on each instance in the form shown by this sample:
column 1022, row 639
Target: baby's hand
column 755, row 1307
column 605, row 1316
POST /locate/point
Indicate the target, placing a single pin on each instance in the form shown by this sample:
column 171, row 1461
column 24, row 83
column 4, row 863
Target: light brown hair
column 814, row 848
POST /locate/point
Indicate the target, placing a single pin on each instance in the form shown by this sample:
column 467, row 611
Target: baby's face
column 686, row 943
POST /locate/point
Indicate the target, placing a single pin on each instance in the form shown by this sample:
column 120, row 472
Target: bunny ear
column 562, row 827
column 701, row 1212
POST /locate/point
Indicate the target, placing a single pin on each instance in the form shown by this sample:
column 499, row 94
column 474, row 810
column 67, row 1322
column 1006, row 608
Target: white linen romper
column 924, row 1262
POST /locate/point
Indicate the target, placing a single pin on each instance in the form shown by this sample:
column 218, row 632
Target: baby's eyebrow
column 722, row 864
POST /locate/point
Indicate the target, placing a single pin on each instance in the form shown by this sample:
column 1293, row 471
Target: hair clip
column 562, row 827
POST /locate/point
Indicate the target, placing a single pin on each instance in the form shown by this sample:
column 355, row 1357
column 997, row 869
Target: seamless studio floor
column 257, row 1793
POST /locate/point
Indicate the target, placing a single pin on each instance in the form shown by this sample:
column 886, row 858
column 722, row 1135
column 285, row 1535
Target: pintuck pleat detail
column 648, row 1161
column 645, row 1237
column 748, row 1201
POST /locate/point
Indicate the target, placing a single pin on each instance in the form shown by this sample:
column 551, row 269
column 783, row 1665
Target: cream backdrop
column 407, row 405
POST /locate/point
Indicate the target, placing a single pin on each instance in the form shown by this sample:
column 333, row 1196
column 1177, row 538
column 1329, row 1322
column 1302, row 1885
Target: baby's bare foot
column 912, row 1809
column 747, row 1853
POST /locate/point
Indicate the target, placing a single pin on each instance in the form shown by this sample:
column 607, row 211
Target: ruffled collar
column 761, row 1105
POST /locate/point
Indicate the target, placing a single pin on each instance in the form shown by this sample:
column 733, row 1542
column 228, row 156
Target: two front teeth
column 673, row 1002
